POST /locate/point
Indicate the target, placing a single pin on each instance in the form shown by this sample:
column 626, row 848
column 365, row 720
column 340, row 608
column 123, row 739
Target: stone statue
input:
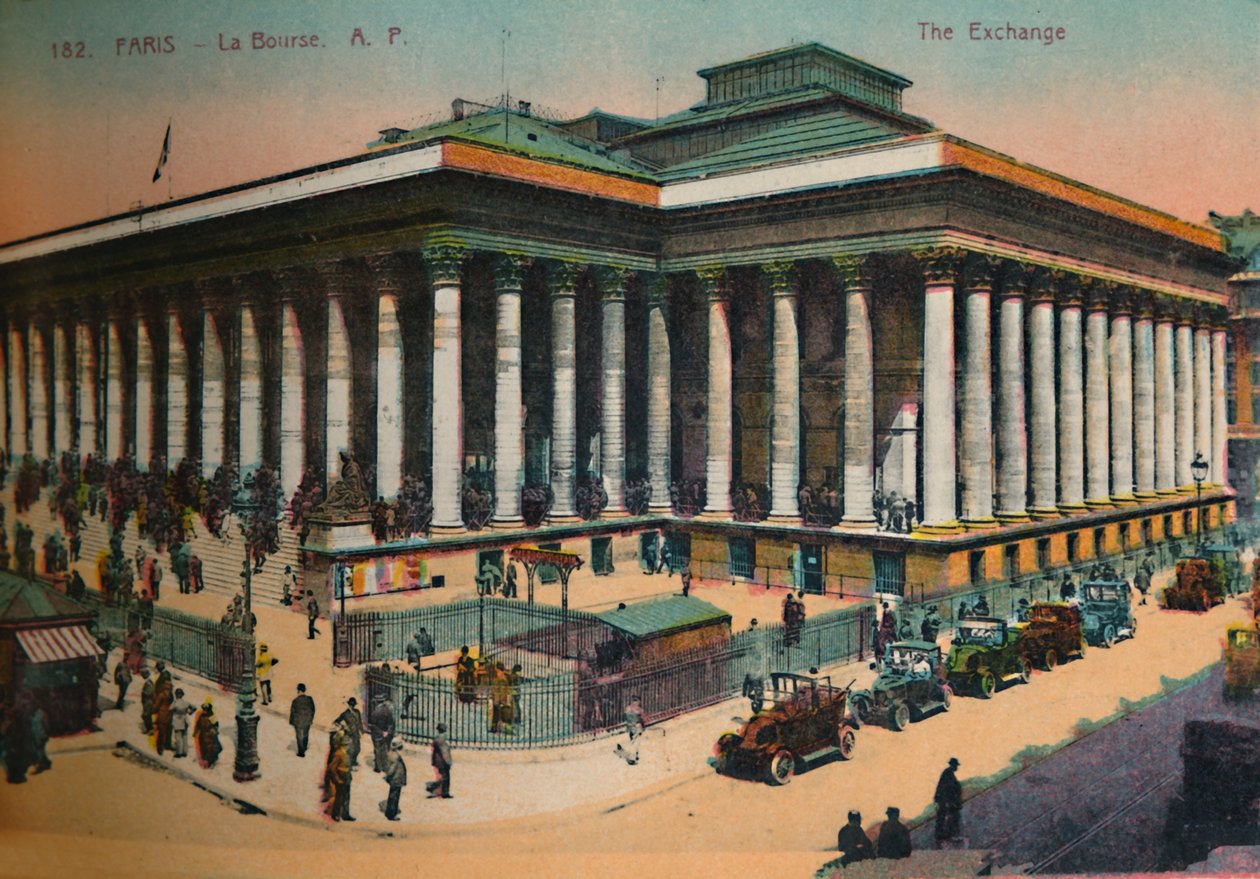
column 347, row 495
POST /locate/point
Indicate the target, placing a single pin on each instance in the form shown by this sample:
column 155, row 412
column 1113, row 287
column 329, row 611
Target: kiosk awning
column 58, row 644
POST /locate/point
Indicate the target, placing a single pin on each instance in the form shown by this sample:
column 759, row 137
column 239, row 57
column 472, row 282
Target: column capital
column 980, row 271
column 611, row 281
column 1164, row 308
column 780, row 277
column 1099, row 295
column 853, row 270
column 562, row 278
column 657, row 290
column 714, row 282
column 509, row 271
column 445, row 262
column 940, row 264
column 1123, row 300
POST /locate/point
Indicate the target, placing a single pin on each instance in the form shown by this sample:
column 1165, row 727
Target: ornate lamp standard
column 246, row 768
column 1198, row 470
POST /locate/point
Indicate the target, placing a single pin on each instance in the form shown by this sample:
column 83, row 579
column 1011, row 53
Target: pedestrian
column 155, row 579
column 633, row 714
column 413, row 651
column 263, row 666
column 17, row 742
column 206, row 729
column 465, row 676
column 312, row 614
column 133, row 649
column 195, row 583
column 148, row 693
column 122, row 677
column 930, row 628
column 426, row 642
column 894, row 838
column 39, row 739
column 685, row 577
column 163, row 718
column 180, row 709
column 441, row 760
column 887, row 627
column 396, row 776
column 351, row 721
column 339, row 781
column 853, row 843
column 509, row 584
column 982, row 606
column 948, row 801
column 381, row 726
column 665, row 559
column 301, row 716
column 1067, row 589
column 290, row 586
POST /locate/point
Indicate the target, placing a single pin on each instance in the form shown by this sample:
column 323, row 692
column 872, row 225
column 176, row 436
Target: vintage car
column 1242, row 660
column 804, row 723
column 910, row 685
column 1053, row 632
column 1198, row 585
column 1106, row 611
column 986, row 651
column 1231, row 565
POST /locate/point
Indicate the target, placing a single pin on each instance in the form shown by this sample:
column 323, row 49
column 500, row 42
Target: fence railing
column 201, row 646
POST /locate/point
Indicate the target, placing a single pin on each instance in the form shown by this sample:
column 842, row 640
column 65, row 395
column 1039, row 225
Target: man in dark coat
column 441, row 760
column 312, row 615
column 894, row 838
column 396, row 776
column 948, row 804
column 148, row 694
column 852, row 841
column 301, row 716
column 122, row 677
column 339, row 781
column 381, row 725
column 351, row 720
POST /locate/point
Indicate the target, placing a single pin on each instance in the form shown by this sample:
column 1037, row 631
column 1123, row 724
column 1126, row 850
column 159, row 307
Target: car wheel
column 782, row 767
column 847, row 742
column 1025, row 670
column 947, row 697
column 899, row 716
column 1109, row 636
column 755, row 705
column 860, row 709
column 1050, row 660
column 985, row 685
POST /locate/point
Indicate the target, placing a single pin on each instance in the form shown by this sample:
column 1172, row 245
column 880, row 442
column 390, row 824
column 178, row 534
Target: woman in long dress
column 206, row 727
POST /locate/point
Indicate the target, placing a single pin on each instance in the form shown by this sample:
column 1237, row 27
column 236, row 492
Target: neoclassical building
column 793, row 282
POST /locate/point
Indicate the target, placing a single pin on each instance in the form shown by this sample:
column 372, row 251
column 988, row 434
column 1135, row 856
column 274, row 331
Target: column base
column 515, row 523
column 614, row 514
column 563, row 519
column 1166, row 492
column 1145, row 496
column 713, row 516
column 1043, row 513
column 1072, row 509
column 784, row 519
column 664, row 509
column 981, row 523
column 936, row 528
column 1015, row 517
column 1186, row 489
column 1104, row 503
column 447, row 530
column 856, row 523
column 1124, row 500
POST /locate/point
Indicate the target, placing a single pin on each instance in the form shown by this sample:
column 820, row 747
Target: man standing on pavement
column 351, row 720
column 413, row 651
column 180, row 710
column 162, row 708
column 634, row 731
column 852, row 841
column 39, row 739
column 312, row 614
column 685, row 576
column 894, row 838
column 339, row 782
column 148, row 693
column 948, row 804
column 441, row 760
column 301, row 716
column 122, row 677
column 263, row 666
column 396, row 776
column 381, row 726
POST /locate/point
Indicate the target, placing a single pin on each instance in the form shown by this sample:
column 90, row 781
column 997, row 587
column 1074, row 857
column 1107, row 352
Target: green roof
column 24, row 601
column 806, row 137
column 664, row 615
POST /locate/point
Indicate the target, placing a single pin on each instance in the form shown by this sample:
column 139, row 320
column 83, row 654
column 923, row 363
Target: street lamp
column 246, row 768
column 1198, row 469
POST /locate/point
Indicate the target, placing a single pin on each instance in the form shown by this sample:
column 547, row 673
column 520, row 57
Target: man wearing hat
column 948, row 804
column 894, row 838
column 264, row 665
column 852, row 841
column 351, row 721
column 441, row 759
column 381, row 725
column 396, row 776
column 301, row 716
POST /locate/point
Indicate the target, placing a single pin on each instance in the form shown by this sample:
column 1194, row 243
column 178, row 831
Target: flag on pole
column 166, row 151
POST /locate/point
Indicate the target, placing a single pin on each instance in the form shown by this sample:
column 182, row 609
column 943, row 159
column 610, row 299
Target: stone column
column 144, row 395
column 1144, row 446
column 659, row 425
column 1012, row 438
column 854, row 275
column 939, row 511
column 785, row 365
column 1165, row 407
column 1121, row 357
column 976, row 454
column 509, row 413
column 292, row 402
column 1043, row 414
column 176, row 393
column 1220, row 429
column 1203, row 396
column 444, row 265
column 337, row 392
column 18, row 413
column 212, row 388
column 86, row 366
column 114, row 443
column 63, row 413
column 719, row 415
column 1071, row 405
column 1183, row 343
column 1097, row 400
column 389, row 399
column 563, row 390
column 251, row 393
column 612, row 441
column 38, row 383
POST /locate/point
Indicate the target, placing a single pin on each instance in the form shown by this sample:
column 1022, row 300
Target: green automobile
column 985, row 652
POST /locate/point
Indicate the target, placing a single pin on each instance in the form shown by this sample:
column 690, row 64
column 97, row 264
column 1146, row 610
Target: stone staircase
column 221, row 559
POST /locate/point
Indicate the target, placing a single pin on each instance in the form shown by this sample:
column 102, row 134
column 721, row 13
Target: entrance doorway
column 810, row 562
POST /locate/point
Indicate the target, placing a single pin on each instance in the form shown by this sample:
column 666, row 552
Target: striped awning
column 58, row 645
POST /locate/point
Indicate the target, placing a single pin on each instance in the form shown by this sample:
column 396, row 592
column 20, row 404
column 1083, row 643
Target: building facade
column 781, row 309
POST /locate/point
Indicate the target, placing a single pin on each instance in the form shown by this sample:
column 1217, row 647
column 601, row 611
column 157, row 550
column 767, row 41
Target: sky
column 1154, row 100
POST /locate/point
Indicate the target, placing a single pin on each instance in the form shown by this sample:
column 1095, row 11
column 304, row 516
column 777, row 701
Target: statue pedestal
column 343, row 531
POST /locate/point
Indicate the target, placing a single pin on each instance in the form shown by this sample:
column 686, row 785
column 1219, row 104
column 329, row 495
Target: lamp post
column 1198, row 469
column 246, row 768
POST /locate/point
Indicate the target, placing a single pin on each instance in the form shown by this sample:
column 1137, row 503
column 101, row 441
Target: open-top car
column 804, row 722
column 1198, row 585
column 985, row 652
column 1053, row 632
column 910, row 686
column 1107, row 611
